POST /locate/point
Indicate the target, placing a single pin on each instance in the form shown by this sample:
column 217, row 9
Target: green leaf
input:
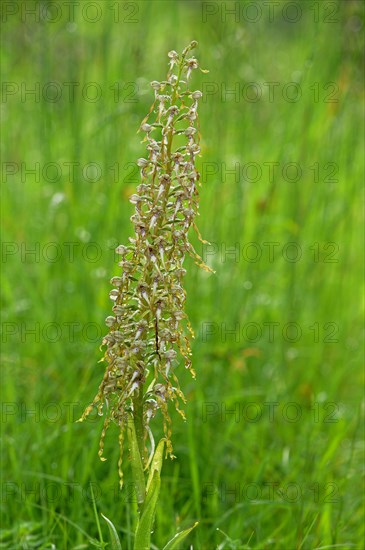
column 136, row 462
column 116, row 545
column 173, row 544
column 145, row 523
column 156, row 461
column 101, row 543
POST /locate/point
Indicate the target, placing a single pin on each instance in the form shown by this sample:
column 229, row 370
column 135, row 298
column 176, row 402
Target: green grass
column 232, row 472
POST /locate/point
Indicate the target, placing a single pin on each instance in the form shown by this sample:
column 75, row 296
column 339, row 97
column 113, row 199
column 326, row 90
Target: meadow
column 271, row 455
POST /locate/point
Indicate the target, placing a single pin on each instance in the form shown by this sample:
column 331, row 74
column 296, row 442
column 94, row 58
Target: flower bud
column 142, row 163
column 113, row 294
column 173, row 110
column 146, row 127
column 118, row 336
column 155, row 84
column 190, row 131
column 170, row 354
column 135, row 199
column 192, row 63
column 116, row 281
column 159, row 390
column 173, row 79
column 164, row 178
column 118, row 309
column 121, row 249
column 110, row 320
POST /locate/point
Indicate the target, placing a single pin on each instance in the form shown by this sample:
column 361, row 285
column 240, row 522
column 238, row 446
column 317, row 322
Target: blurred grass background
column 231, row 472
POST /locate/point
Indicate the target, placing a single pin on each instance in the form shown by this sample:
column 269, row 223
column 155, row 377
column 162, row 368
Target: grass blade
column 143, row 532
column 174, row 543
column 116, row 544
column 156, row 462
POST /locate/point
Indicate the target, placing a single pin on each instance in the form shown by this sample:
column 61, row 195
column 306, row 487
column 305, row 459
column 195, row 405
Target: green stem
column 138, row 421
column 136, row 463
